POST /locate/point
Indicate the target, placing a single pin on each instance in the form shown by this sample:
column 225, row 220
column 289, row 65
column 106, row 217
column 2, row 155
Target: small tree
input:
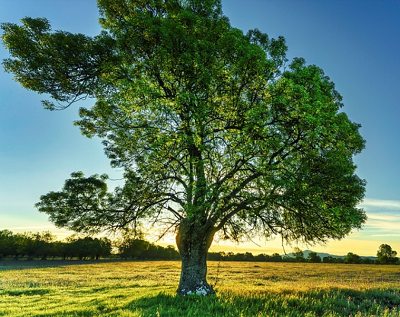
column 352, row 258
column 60, row 249
column 43, row 244
column 82, row 247
column 313, row 257
column 298, row 255
column 276, row 257
column 328, row 259
column 105, row 247
column 7, row 244
column 26, row 244
column 132, row 247
column 217, row 133
column 386, row 255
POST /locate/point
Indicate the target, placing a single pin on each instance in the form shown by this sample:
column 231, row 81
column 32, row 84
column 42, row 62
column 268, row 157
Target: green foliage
column 30, row 244
column 42, row 245
column 313, row 257
column 7, row 243
column 87, row 247
column 132, row 247
column 352, row 258
column 386, row 255
column 84, row 205
column 298, row 255
column 61, row 64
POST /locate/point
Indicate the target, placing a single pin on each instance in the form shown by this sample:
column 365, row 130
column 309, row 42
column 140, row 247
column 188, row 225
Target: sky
column 355, row 42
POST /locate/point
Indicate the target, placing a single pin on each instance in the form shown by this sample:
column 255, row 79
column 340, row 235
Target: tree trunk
column 193, row 243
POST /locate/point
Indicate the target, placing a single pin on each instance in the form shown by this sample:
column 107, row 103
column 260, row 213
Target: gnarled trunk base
column 193, row 246
column 194, row 277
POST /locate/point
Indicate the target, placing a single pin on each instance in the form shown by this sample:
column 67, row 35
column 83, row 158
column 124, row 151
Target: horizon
column 224, row 246
column 213, row 249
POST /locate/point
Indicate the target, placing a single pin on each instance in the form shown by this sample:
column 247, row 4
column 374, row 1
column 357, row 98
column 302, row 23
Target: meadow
column 52, row 288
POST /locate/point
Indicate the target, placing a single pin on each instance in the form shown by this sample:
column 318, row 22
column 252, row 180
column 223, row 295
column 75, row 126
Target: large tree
column 218, row 133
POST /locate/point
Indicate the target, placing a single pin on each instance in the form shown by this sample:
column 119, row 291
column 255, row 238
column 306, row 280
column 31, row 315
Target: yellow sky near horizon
column 355, row 243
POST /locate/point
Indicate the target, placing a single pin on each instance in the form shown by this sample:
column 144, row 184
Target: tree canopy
column 386, row 255
column 218, row 133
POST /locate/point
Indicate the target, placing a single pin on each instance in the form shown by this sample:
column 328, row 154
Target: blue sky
column 356, row 43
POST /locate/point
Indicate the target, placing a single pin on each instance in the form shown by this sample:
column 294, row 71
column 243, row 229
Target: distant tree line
column 134, row 248
column 44, row 245
column 385, row 255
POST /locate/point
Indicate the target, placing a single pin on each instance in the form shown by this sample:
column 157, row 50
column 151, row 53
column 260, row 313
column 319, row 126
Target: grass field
column 243, row 289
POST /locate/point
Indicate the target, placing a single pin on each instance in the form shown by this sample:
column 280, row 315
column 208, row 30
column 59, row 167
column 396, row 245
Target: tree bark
column 193, row 243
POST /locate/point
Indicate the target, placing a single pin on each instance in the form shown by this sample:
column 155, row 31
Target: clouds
column 60, row 233
column 30, row 228
column 383, row 217
column 381, row 204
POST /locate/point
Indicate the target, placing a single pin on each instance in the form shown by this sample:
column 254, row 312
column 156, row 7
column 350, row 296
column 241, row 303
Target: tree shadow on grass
column 9, row 265
column 175, row 306
column 28, row 292
column 332, row 302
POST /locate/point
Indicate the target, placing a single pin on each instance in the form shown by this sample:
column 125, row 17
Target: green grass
column 243, row 289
